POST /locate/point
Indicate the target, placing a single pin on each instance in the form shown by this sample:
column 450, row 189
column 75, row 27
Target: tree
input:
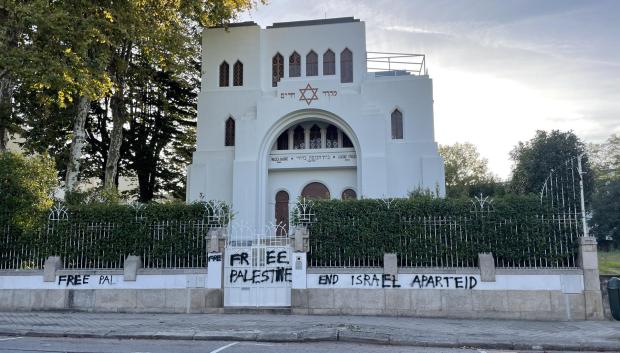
column 62, row 43
column 605, row 220
column 605, row 158
column 535, row 159
column 466, row 170
column 164, row 34
column 26, row 187
column 161, row 133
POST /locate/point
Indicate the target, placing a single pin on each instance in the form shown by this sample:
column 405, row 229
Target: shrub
column 26, row 188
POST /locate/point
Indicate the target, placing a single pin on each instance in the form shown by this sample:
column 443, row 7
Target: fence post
column 52, row 264
column 130, row 268
column 299, row 285
column 390, row 265
column 588, row 261
column 486, row 263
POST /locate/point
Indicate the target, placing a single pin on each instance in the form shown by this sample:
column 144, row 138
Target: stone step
column 256, row 310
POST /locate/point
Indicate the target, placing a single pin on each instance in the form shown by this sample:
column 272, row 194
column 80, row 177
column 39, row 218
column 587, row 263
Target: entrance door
column 282, row 212
column 315, row 190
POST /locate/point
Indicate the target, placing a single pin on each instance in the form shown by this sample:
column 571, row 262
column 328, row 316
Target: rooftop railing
column 395, row 64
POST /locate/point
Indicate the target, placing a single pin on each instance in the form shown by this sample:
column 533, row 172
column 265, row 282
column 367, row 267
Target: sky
column 501, row 69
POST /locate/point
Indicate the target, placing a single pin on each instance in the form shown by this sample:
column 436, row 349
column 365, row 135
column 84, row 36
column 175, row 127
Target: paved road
column 91, row 345
column 449, row 333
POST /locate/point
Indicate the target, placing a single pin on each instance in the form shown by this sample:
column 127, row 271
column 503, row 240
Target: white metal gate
column 257, row 270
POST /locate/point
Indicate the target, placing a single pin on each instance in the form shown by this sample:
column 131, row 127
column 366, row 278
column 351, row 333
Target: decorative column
column 290, row 138
column 323, row 137
column 588, row 261
column 306, row 137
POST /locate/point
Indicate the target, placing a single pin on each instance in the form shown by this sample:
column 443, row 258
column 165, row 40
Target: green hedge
column 428, row 232
column 101, row 235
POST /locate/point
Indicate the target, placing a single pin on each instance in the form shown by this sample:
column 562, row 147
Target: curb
column 323, row 335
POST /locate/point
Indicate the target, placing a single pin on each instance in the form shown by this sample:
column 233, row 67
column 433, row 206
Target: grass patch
column 609, row 262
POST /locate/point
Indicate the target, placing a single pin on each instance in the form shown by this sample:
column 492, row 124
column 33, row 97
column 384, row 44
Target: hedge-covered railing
column 101, row 236
column 430, row 232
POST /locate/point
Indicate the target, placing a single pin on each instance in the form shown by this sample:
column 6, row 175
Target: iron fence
column 171, row 243
column 449, row 241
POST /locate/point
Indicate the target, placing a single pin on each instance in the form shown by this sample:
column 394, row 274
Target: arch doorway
column 282, row 212
column 315, row 190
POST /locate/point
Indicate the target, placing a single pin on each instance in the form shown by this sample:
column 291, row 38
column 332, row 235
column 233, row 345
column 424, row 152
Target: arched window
column 224, row 71
column 299, row 138
column 277, row 69
column 397, row 125
column 229, row 138
column 282, row 212
column 349, row 194
column 329, row 63
column 346, row 66
column 312, row 64
column 315, row 137
column 331, row 137
column 238, row 74
column 315, row 191
column 294, row 65
column 282, row 143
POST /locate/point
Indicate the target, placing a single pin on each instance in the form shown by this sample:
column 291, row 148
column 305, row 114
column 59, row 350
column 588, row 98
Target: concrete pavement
column 448, row 333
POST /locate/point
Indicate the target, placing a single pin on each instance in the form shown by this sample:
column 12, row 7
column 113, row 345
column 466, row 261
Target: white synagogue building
column 301, row 109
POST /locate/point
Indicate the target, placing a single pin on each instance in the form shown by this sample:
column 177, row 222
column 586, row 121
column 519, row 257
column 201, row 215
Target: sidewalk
column 490, row 334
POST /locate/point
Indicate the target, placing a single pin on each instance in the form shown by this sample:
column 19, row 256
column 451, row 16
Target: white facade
column 373, row 164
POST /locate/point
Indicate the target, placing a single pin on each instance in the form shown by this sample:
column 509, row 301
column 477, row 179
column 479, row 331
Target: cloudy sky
column 501, row 69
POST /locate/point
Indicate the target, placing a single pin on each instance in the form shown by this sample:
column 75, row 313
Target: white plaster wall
column 570, row 284
column 106, row 281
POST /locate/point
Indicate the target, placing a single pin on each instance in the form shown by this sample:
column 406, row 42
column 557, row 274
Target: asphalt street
column 98, row 345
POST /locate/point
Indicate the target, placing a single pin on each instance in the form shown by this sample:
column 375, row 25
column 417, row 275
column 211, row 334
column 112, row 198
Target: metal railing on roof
column 395, row 64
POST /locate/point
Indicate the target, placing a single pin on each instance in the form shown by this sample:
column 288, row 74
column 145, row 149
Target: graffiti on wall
column 274, row 267
column 77, row 280
column 378, row 280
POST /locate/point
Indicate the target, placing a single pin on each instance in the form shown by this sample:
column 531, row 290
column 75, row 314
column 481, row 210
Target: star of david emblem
column 303, row 91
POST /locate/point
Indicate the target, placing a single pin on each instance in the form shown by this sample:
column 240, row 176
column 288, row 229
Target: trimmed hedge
column 428, row 232
column 101, row 235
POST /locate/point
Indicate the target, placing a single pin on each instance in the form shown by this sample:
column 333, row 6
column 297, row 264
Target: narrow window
column 282, row 199
column 397, row 125
column 229, row 139
column 238, row 74
column 312, row 64
column 277, row 69
column 329, row 63
column 346, row 66
column 299, row 138
column 224, row 74
column 331, row 137
column 315, row 137
column 283, row 141
column 294, row 65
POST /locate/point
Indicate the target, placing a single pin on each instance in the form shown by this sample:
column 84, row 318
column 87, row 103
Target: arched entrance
column 282, row 199
column 315, row 191
column 303, row 148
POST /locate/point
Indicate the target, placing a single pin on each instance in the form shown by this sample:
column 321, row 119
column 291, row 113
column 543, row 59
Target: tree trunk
column 116, row 138
column 119, row 67
column 6, row 90
column 77, row 144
